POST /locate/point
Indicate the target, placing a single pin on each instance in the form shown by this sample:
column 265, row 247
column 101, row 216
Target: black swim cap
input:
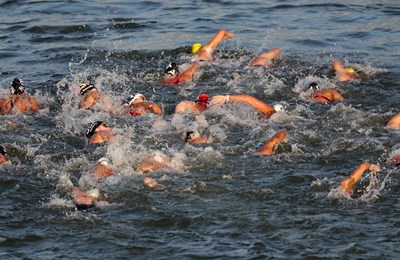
column 85, row 87
column 17, row 87
column 172, row 69
column 93, row 126
column 187, row 136
column 3, row 150
column 313, row 86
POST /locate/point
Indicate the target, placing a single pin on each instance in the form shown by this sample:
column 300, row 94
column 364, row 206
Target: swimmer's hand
column 374, row 168
column 219, row 100
column 152, row 184
column 228, row 35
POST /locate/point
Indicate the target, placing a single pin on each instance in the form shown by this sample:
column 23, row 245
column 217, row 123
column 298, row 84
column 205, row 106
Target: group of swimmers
column 99, row 132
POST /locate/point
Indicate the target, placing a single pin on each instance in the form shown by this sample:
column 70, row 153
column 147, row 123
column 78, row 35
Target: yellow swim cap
column 350, row 70
column 196, row 47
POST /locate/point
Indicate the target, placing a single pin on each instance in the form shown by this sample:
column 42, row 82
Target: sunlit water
column 221, row 200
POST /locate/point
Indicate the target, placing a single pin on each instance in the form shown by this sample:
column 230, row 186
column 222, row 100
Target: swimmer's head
column 313, row 86
column 103, row 161
column 172, row 69
column 279, row 107
column 187, row 136
column 17, row 87
column 93, row 126
column 196, row 47
column 350, row 70
column 132, row 98
column 202, row 100
column 85, row 87
column 3, row 150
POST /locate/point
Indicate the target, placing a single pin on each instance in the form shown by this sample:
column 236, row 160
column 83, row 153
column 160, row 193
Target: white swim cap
column 133, row 98
column 279, row 107
column 104, row 161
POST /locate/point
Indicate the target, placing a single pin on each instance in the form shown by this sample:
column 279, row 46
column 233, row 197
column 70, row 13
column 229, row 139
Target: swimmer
column 3, row 154
column 18, row 100
column 99, row 133
column 347, row 74
column 197, row 107
column 83, row 200
column 257, row 104
column 269, row 147
column 347, row 185
column 394, row 122
column 102, row 169
column 205, row 52
column 327, row 95
column 192, row 138
column 91, row 96
column 173, row 75
column 137, row 105
column 152, row 165
column 266, row 58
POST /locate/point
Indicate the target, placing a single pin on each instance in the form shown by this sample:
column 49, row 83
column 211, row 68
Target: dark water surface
column 222, row 200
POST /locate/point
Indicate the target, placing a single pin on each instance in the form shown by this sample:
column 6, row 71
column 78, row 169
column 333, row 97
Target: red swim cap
column 202, row 97
column 202, row 100
column 396, row 160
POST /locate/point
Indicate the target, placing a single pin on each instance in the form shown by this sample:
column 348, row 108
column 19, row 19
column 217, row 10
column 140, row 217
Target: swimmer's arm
column 152, row 184
column 188, row 74
column 148, row 105
column 3, row 159
column 101, row 171
column 33, row 104
column 5, row 106
column 394, row 122
column 87, row 102
column 257, row 104
column 187, row 106
column 201, row 140
column 336, row 95
column 108, row 104
column 341, row 72
column 206, row 51
column 266, row 58
column 148, row 166
column 156, row 109
column 269, row 147
column 348, row 184
column 111, row 138
column 221, row 35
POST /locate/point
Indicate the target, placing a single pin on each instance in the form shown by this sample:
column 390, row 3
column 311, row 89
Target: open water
column 221, row 200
